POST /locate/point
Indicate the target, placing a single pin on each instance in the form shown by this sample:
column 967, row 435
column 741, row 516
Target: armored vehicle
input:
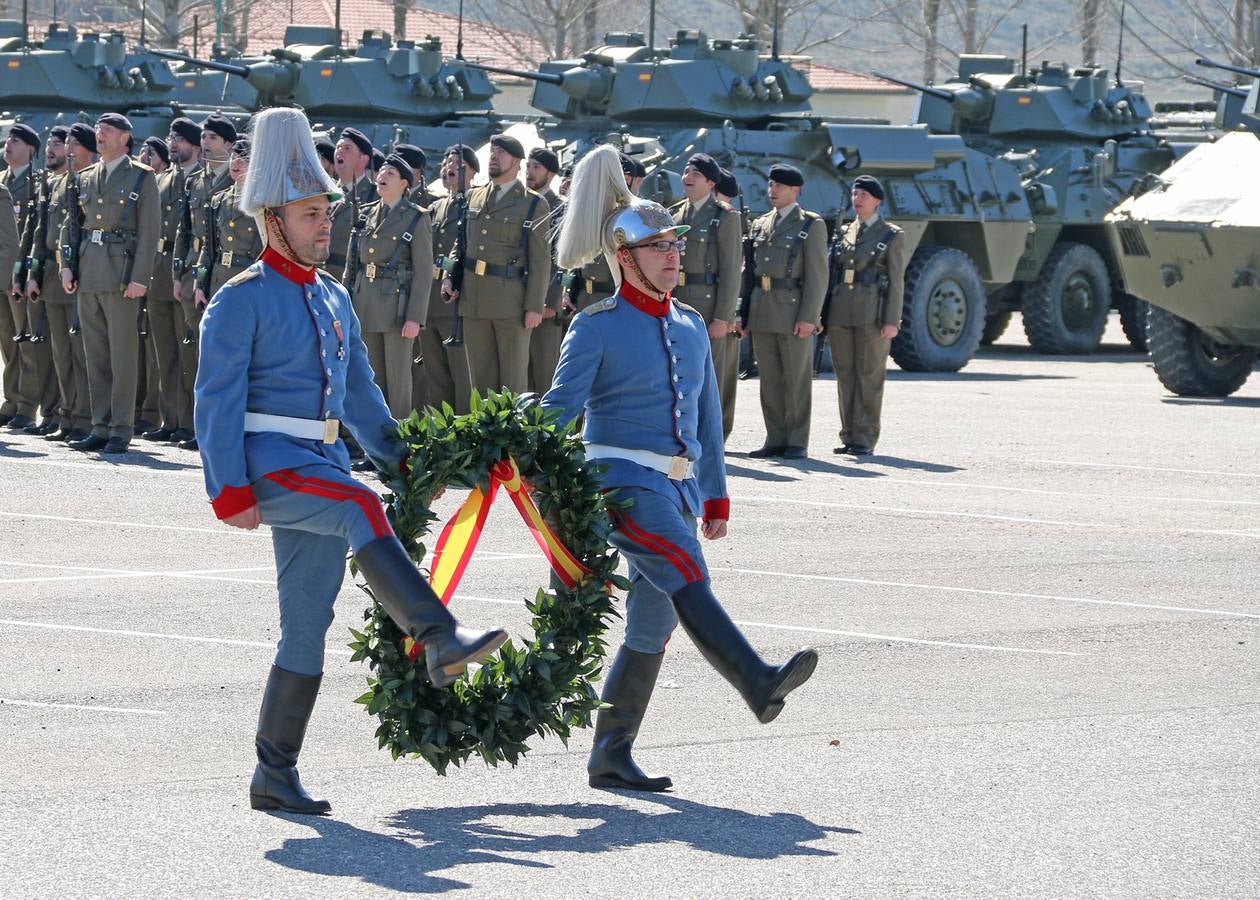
column 400, row 92
column 1190, row 247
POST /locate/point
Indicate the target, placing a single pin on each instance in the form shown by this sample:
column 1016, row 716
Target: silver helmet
column 639, row 221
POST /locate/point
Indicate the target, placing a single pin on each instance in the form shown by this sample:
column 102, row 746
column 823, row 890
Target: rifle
column 21, row 269
column 749, row 277
column 351, row 271
column 833, row 279
column 35, row 250
column 74, row 224
column 454, row 264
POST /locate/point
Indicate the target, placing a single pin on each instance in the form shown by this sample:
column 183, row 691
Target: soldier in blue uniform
column 283, row 364
column 637, row 365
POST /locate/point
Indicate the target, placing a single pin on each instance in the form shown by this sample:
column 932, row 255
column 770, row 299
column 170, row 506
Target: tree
column 553, row 29
column 945, row 29
column 1176, row 31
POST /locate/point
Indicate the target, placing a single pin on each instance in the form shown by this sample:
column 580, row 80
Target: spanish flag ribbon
column 458, row 541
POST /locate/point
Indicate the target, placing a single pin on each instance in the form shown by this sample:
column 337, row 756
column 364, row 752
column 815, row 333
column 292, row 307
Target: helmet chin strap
column 282, row 240
column 638, row 270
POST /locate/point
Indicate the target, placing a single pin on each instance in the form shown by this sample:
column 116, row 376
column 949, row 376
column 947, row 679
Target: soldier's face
column 111, row 142
column 349, row 161
column 17, row 152
column 503, row 164
column 308, row 229
column 450, row 173
column 389, row 184
column 182, row 152
column 537, row 177
column 214, row 147
column 696, row 186
column 237, row 167
column 82, row 155
column 55, row 153
column 864, row 205
column 151, row 159
column 782, row 195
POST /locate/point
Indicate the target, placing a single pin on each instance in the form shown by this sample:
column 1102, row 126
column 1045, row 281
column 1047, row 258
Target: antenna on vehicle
column 1023, row 52
column 652, row 28
column 459, row 33
column 774, row 34
column 1120, row 44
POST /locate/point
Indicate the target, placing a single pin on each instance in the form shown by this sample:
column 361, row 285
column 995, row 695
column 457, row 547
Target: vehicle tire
column 943, row 315
column 1191, row 364
column 994, row 327
column 1133, row 314
column 1065, row 309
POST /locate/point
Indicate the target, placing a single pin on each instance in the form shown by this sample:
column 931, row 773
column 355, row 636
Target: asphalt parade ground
column 1036, row 610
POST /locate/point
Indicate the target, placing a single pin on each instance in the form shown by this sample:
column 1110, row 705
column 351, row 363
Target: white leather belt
column 311, row 429
column 676, row 468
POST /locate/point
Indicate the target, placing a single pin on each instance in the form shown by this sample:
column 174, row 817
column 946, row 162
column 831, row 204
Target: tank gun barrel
column 938, row 93
column 590, row 84
column 275, row 80
column 240, row 71
column 544, row 77
column 1227, row 67
column 1230, row 89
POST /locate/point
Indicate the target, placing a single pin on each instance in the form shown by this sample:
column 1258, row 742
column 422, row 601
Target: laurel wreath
column 539, row 687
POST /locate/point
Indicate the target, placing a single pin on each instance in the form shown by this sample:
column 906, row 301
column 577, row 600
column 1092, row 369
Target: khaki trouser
column 390, row 356
column 786, row 365
column 166, row 333
column 70, row 367
column 148, row 390
column 859, row 356
column 21, row 373
column 544, row 353
column 188, row 352
column 37, row 356
column 726, row 367
column 111, row 343
column 444, row 375
column 498, row 354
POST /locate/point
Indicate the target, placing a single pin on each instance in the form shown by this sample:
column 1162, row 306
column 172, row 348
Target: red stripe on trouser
column 680, row 559
column 367, row 501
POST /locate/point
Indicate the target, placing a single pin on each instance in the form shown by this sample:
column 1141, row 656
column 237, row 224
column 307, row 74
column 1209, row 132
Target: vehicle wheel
column 1065, row 309
column 994, row 327
column 1191, row 364
column 943, row 315
column 1133, row 320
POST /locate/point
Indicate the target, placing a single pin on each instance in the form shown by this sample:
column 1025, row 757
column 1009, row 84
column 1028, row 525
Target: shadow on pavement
column 755, row 474
column 1219, row 402
column 899, row 375
column 897, row 462
column 142, row 459
column 432, row 840
column 15, row 453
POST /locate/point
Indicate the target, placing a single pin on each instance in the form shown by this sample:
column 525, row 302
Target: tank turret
column 1244, row 113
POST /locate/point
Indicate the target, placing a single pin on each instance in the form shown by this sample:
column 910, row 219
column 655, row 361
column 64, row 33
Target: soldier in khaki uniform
column 155, row 154
column 8, row 235
column 232, row 239
column 122, row 223
column 389, row 283
column 352, row 161
column 168, row 328
column 712, row 266
column 864, row 315
column 44, row 284
column 790, row 253
column 507, row 267
column 444, row 375
column 23, row 386
column 417, row 161
column 544, row 345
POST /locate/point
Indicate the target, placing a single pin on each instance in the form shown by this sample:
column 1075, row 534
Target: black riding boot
column 628, row 688
column 286, row 708
column 403, row 593
column 762, row 686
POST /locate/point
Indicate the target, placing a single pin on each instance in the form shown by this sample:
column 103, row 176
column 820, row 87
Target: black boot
column 628, row 688
column 404, row 594
column 762, row 686
column 286, row 708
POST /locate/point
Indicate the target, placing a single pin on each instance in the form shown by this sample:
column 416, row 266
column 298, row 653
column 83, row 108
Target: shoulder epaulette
column 685, row 308
column 241, row 277
column 141, row 166
column 602, row 306
column 812, row 216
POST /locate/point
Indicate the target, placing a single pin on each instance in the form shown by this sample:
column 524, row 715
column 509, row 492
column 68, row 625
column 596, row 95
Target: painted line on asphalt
column 189, row 473
column 866, row 635
column 123, row 632
column 263, row 531
column 970, row 485
column 984, row 592
column 906, row 510
column 1098, row 465
column 5, row 701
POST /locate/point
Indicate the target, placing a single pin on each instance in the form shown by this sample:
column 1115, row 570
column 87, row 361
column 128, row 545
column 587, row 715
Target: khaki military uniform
column 868, row 294
column 790, row 283
column 343, row 223
column 60, row 309
column 444, row 376
column 232, row 242
column 593, row 282
column 27, row 364
column 422, row 197
column 544, row 343
column 120, row 232
column 391, row 286
column 9, row 252
column 507, row 268
column 167, row 326
column 709, row 283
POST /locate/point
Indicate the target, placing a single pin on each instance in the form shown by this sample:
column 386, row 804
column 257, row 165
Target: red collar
column 287, row 267
column 644, row 302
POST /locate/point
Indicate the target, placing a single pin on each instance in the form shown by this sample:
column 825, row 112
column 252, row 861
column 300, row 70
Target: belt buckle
column 679, row 468
column 765, row 282
column 438, row 272
column 682, row 278
column 590, row 285
column 480, row 268
column 849, row 275
column 95, row 236
column 370, row 271
column 161, row 245
column 331, row 429
column 225, row 259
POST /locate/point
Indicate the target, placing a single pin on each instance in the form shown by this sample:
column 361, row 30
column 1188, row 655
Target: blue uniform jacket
column 287, row 345
column 642, row 372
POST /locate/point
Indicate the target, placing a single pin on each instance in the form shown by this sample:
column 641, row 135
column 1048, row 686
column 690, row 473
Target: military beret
column 727, row 186
column 395, row 161
column 470, row 158
column 631, row 167
column 217, row 123
column 706, row 165
column 358, row 138
column 508, row 144
column 187, row 129
column 546, row 158
column 326, row 149
column 378, row 160
column 241, row 148
column 158, row 146
column 870, row 184
column 114, row 120
column 412, row 155
column 83, row 135
column 788, row 175
column 59, row 131
column 26, row 134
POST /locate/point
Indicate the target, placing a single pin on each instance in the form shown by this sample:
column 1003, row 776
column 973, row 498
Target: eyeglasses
column 663, row 246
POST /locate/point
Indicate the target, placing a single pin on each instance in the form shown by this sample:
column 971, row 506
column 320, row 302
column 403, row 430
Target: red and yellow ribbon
column 459, row 538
